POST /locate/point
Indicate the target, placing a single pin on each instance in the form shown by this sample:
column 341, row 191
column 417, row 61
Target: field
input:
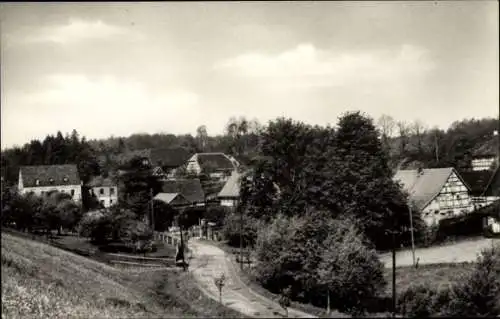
column 42, row 281
column 437, row 275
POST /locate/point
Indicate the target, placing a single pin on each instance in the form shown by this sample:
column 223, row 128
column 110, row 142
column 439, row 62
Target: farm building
column 43, row 179
column 190, row 189
column 437, row 193
column 230, row 193
column 216, row 165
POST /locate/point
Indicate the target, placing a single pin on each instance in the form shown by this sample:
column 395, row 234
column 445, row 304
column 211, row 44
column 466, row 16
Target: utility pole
column 393, row 233
column 411, row 233
column 152, row 210
column 436, row 146
column 241, row 238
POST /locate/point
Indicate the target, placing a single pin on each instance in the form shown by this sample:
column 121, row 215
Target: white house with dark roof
column 43, row 179
column 230, row 193
column 216, row 165
column 105, row 190
column 437, row 193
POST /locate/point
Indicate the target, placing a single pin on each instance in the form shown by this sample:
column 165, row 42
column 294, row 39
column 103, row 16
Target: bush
column 417, row 301
column 99, row 228
column 350, row 270
column 478, row 294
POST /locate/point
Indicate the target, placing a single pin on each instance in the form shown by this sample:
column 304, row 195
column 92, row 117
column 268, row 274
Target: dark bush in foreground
column 417, row 301
column 313, row 256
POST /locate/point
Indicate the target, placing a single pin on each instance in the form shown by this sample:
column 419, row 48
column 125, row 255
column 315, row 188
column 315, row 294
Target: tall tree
column 404, row 138
column 386, row 125
column 363, row 179
column 202, row 137
column 137, row 182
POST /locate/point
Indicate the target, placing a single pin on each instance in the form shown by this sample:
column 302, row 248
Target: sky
column 115, row 69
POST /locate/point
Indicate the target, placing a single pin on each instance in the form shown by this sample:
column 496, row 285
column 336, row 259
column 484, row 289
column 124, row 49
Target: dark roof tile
column 189, row 188
column 50, row 175
column 217, row 161
column 169, row 157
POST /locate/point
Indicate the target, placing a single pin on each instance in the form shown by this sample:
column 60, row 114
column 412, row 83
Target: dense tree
column 137, row 185
column 351, row 272
column 363, row 180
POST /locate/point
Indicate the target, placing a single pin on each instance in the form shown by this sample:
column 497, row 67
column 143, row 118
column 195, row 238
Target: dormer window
column 37, row 182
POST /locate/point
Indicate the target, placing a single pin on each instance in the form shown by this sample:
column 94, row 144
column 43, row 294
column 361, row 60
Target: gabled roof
column 50, row 175
column 425, row 186
column 477, row 181
column 172, row 198
column 493, row 188
column 100, row 181
column 232, row 187
column 217, row 161
column 190, row 188
column 169, row 157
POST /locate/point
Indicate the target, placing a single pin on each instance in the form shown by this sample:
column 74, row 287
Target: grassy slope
column 39, row 280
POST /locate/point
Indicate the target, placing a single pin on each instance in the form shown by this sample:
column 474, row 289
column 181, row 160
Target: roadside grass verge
column 40, row 281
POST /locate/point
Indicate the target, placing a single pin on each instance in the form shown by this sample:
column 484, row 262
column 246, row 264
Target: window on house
column 110, row 201
column 102, row 203
column 37, row 182
column 72, row 192
column 112, row 191
column 101, row 191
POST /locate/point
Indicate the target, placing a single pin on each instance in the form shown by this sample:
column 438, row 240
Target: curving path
column 209, row 262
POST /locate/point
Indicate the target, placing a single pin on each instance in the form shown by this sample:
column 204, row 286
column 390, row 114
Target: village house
column 216, row 165
column 190, row 189
column 173, row 199
column 166, row 161
column 230, row 194
column 105, row 190
column 437, row 193
column 43, row 179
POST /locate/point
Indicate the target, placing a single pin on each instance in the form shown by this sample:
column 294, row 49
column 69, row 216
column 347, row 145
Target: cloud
column 77, row 30
column 307, row 66
column 99, row 106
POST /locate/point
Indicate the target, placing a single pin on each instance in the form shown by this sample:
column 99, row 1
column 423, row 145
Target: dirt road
column 210, row 262
column 458, row 252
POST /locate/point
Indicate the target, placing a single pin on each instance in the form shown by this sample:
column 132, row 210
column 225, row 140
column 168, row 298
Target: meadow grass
column 438, row 276
column 41, row 281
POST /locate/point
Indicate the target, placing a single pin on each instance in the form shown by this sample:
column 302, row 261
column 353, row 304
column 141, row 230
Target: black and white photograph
column 250, row 159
